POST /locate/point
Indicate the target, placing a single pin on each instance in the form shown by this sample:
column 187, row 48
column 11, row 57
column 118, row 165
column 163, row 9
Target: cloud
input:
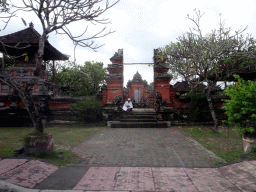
column 144, row 25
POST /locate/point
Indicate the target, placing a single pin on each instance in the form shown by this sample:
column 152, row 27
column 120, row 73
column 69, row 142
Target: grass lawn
column 226, row 143
column 69, row 136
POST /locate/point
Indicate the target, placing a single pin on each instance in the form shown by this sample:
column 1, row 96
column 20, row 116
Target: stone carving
column 22, row 73
column 137, row 79
column 118, row 102
column 118, row 55
column 159, row 102
column 163, row 75
column 156, row 52
column 116, row 75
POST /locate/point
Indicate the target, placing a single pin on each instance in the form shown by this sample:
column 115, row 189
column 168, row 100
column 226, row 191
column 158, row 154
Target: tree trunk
column 26, row 98
column 2, row 67
column 40, row 53
column 33, row 112
column 53, row 72
column 36, row 119
column 215, row 120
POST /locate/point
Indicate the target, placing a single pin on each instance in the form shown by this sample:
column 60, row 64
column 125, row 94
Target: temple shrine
column 162, row 96
column 137, row 89
column 24, row 45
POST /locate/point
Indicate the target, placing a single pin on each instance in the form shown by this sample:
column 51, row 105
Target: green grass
column 225, row 143
column 12, row 138
column 59, row 157
column 72, row 136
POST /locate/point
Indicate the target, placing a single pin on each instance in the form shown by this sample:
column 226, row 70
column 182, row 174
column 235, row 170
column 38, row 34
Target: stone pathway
column 25, row 172
column 132, row 160
column 154, row 147
column 236, row 177
column 28, row 173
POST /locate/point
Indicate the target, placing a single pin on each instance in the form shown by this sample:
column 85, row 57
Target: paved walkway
column 153, row 147
column 132, row 160
column 22, row 172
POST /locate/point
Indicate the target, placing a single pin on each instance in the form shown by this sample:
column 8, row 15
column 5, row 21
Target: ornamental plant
column 241, row 107
column 198, row 110
column 87, row 109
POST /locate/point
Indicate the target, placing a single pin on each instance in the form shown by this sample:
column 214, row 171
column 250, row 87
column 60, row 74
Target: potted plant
column 37, row 143
column 241, row 110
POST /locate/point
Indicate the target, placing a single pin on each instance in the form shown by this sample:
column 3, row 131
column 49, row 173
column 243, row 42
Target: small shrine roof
column 184, row 87
column 137, row 76
column 30, row 37
column 137, row 79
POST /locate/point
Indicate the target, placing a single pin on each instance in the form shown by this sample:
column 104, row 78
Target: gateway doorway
column 137, row 95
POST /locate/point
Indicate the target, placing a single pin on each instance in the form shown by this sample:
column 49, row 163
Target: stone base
column 249, row 144
column 36, row 144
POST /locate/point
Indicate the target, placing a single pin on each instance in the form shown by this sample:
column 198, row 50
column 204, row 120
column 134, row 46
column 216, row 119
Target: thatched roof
column 29, row 37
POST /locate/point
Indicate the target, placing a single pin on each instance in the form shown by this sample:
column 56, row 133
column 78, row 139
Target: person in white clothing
column 128, row 106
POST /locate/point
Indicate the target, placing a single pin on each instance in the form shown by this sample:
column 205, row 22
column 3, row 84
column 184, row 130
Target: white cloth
column 127, row 105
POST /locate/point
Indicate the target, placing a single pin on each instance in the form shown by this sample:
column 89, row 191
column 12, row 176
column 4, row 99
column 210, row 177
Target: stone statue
column 118, row 102
column 158, row 101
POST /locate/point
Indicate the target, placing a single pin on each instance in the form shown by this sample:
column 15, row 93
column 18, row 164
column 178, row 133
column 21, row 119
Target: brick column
column 162, row 80
column 115, row 78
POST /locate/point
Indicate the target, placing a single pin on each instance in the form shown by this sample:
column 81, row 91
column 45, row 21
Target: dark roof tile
column 30, row 36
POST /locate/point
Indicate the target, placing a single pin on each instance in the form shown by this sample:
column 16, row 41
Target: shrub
column 241, row 107
column 87, row 109
column 199, row 109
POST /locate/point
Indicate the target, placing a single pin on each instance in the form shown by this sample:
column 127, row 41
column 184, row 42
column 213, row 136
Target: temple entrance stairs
column 141, row 118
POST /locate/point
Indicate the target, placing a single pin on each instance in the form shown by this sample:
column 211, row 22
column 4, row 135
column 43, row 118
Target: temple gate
column 137, row 89
column 114, row 79
column 162, row 79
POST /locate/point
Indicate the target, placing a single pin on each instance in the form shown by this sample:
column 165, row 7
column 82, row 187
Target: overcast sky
column 144, row 25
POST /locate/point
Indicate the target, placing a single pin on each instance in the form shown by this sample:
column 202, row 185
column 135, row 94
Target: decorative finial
column 31, row 25
column 118, row 55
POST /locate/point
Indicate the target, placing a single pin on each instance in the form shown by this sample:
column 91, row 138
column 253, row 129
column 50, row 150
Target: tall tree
column 55, row 15
column 6, row 14
column 196, row 55
column 81, row 80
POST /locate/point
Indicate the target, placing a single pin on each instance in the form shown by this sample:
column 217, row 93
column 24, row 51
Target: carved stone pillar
column 162, row 80
column 115, row 78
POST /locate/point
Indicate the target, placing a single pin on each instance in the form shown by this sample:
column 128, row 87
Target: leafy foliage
column 196, row 57
column 199, row 109
column 81, row 80
column 88, row 109
column 241, row 108
column 8, row 61
column 236, row 64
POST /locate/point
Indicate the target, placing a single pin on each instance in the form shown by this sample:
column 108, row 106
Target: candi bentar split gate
column 162, row 97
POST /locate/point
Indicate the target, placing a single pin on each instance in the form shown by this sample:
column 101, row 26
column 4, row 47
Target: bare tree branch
column 196, row 55
column 56, row 15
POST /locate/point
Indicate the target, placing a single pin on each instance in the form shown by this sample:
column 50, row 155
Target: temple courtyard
column 132, row 159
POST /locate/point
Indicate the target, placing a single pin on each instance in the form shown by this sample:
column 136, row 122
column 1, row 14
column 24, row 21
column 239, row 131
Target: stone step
column 139, row 120
column 138, row 117
column 119, row 124
column 141, row 113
